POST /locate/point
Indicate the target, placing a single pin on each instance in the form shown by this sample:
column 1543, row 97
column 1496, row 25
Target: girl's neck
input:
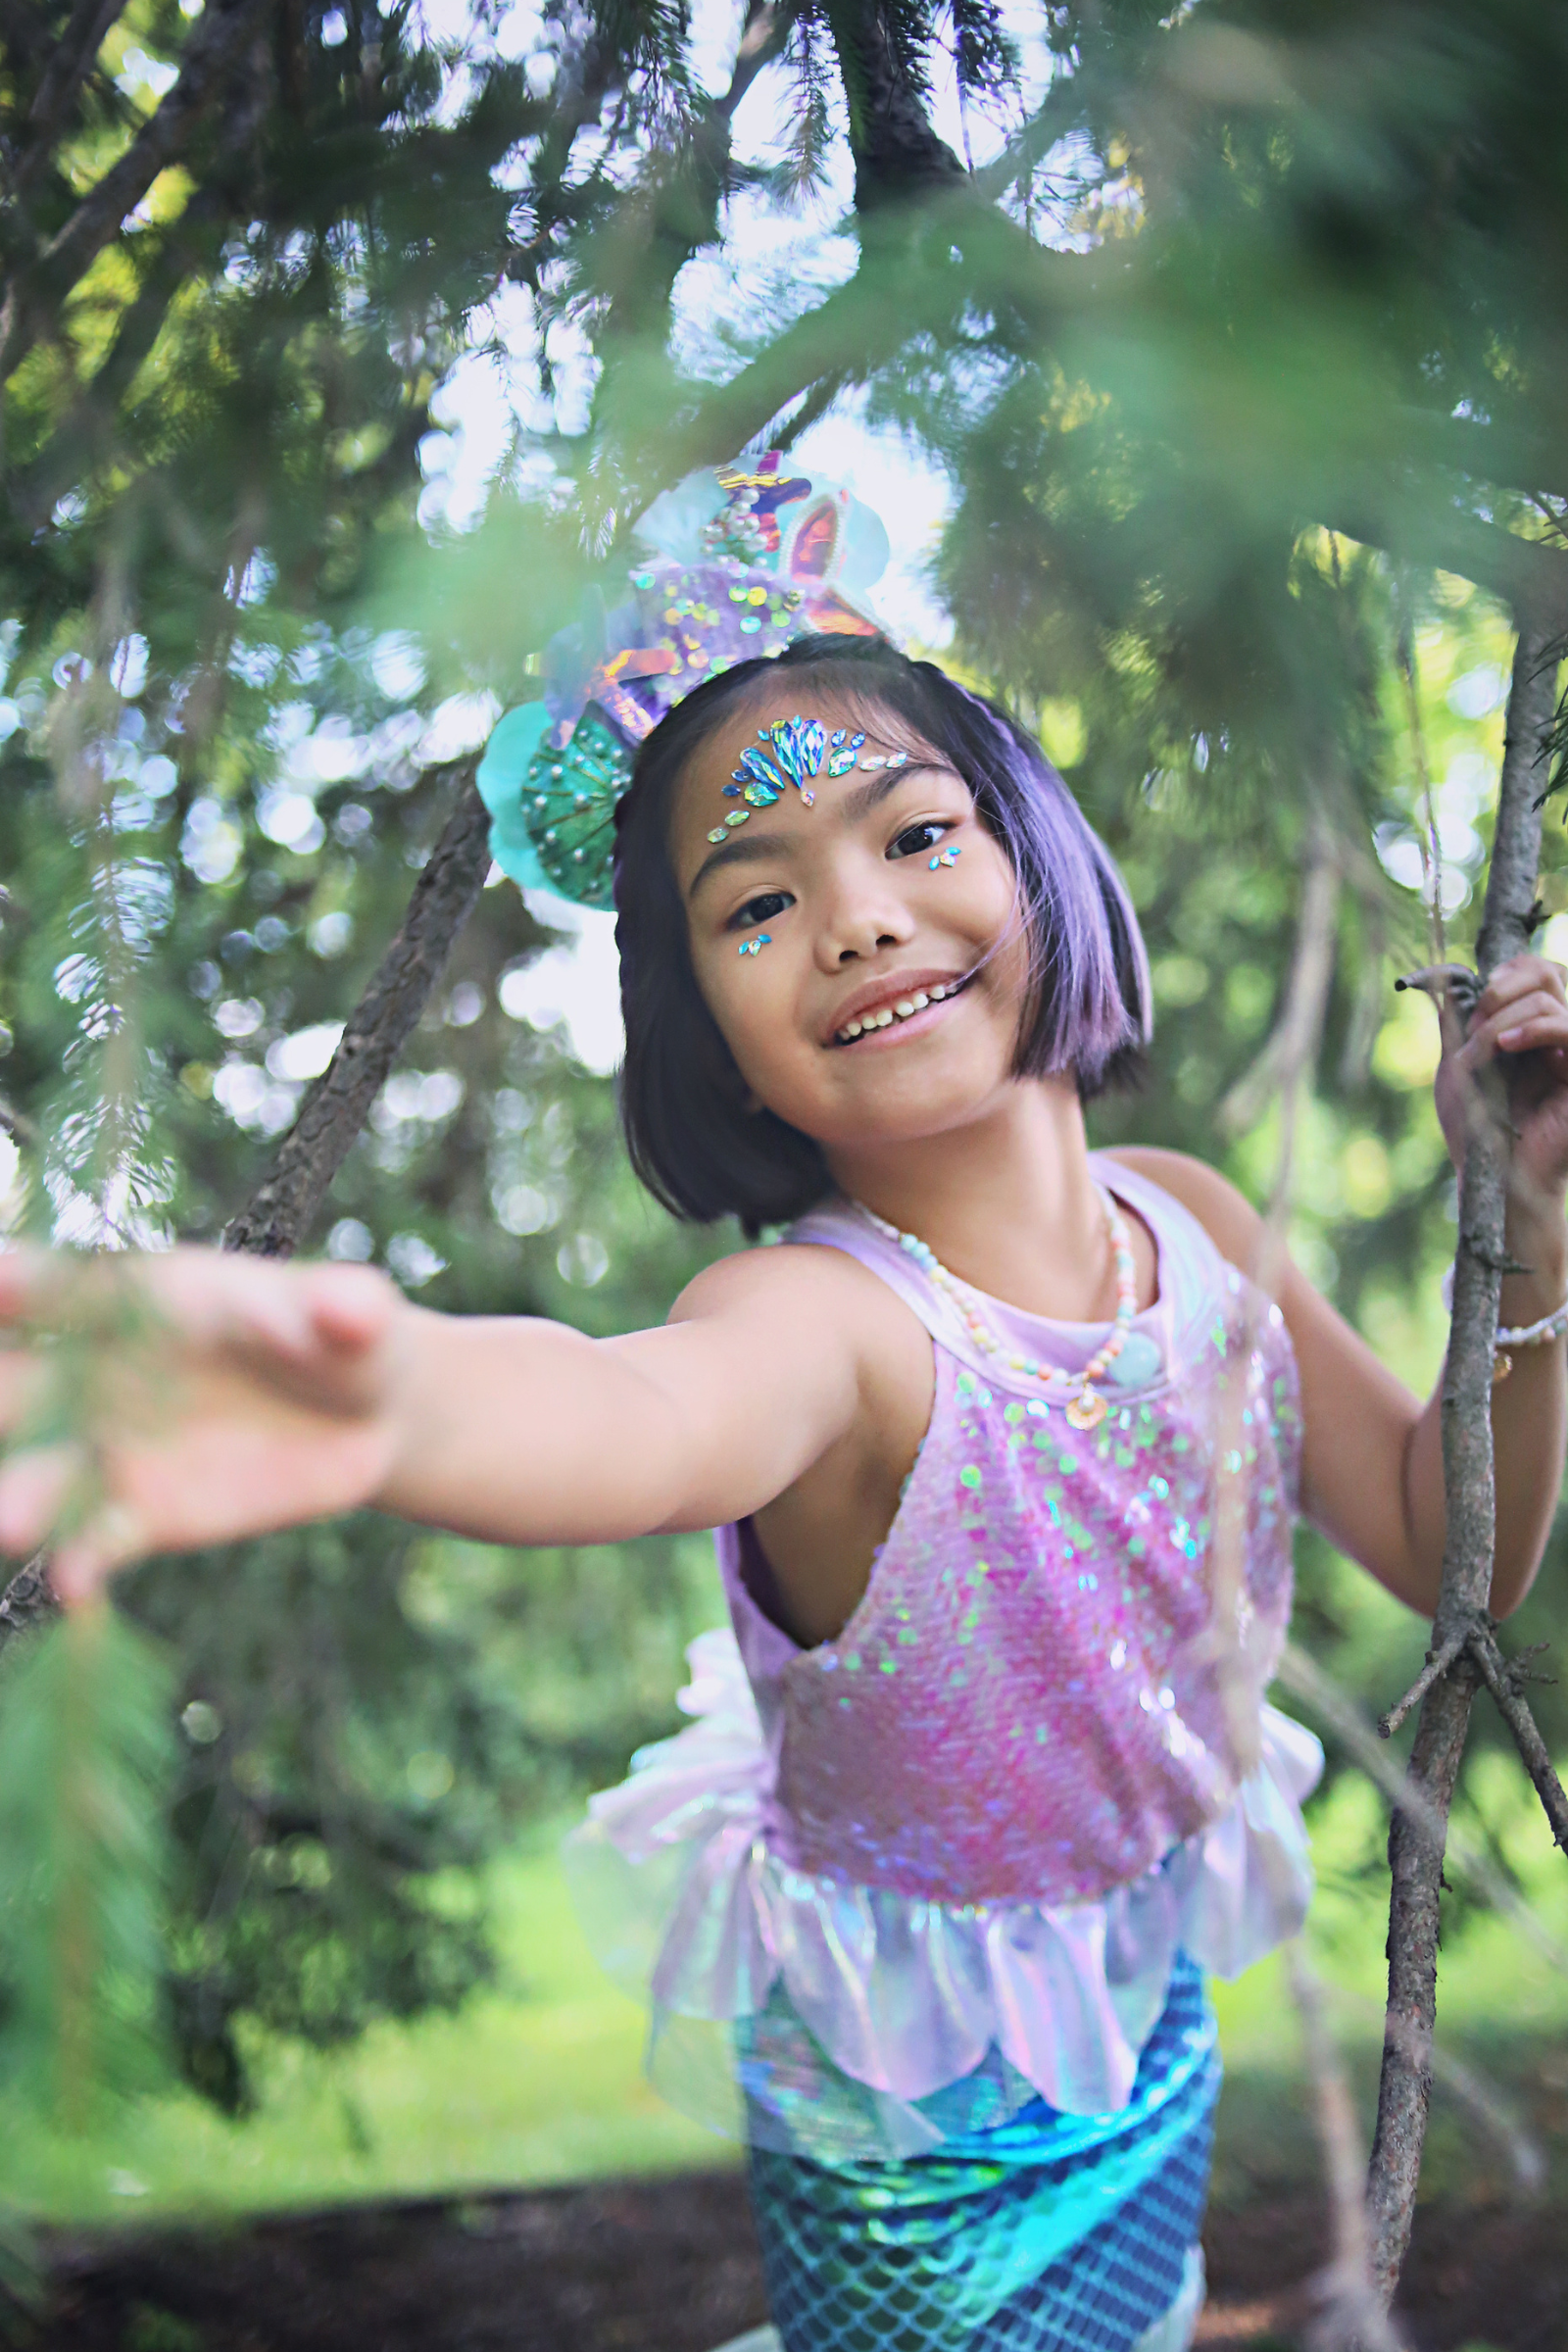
column 1007, row 1202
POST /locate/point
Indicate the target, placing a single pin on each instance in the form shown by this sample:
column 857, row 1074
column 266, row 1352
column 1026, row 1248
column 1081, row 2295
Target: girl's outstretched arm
column 215, row 1397
column 1372, row 1459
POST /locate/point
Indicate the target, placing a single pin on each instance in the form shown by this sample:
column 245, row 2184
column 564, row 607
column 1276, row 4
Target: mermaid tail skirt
column 1047, row 2233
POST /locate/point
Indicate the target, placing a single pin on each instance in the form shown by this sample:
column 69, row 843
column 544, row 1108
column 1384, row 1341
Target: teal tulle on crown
column 742, row 559
column 553, row 811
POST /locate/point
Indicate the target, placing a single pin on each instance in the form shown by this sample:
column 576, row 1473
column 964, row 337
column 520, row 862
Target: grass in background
column 538, row 2080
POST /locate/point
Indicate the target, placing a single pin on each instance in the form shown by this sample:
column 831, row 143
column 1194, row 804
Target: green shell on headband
column 552, row 812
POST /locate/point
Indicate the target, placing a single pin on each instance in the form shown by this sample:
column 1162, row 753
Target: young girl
column 987, row 1785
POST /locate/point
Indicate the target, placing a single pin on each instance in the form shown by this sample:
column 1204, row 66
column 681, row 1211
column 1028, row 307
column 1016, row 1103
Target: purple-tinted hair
column 693, row 1139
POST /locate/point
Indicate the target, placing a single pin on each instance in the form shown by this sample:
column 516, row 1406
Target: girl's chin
column 911, row 1117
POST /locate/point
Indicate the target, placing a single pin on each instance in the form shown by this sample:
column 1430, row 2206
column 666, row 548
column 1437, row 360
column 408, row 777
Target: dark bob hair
column 692, row 1138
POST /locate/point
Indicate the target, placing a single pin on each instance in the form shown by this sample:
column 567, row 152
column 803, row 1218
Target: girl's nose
column 865, row 915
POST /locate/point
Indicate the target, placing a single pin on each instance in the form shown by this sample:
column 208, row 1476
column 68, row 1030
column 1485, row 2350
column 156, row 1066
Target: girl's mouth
column 900, row 1009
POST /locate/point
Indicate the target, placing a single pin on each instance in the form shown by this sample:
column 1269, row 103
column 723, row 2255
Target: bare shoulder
column 800, row 1280
column 1226, row 1215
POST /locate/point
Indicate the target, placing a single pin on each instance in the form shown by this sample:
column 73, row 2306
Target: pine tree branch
column 37, row 289
column 583, row 83
column 1417, row 1834
column 276, row 1218
column 25, row 33
column 897, row 153
column 88, row 430
column 75, row 55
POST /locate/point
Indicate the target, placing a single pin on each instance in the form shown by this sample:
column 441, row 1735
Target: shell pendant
column 1087, row 1410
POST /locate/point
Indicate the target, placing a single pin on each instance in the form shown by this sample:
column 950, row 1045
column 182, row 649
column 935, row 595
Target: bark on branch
column 897, row 153
column 42, row 281
column 75, row 55
column 276, row 1218
column 1417, row 1836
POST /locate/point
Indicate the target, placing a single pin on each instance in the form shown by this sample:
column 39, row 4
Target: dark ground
column 671, row 2266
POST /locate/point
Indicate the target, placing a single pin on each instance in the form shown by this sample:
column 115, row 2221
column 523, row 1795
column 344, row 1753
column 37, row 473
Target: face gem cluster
column 794, row 750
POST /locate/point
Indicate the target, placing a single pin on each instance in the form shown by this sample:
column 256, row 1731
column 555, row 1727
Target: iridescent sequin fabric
column 895, row 1888
column 1051, row 2233
column 1028, row 1704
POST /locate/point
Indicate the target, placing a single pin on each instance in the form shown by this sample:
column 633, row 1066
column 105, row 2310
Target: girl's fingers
column 350, row 1307
column 82, row 1566
column 31, row 1280
column 1520, row 976
column 32, row 1489
column 20, row 1377
column 250, row 1307
column 1537, row 1017
column 1536, row 1031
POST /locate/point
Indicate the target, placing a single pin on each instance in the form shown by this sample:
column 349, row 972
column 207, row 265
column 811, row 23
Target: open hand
column 1521, row 1021
column 161, row 1403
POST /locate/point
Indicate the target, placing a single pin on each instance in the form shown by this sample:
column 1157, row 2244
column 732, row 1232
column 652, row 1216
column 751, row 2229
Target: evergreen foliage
column 1238, row 335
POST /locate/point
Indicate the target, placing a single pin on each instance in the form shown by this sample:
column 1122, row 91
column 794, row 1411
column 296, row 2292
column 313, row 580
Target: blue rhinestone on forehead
column 795, row 750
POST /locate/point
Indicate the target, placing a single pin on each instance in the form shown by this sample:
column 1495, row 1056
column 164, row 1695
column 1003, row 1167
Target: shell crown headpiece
column 741, row 561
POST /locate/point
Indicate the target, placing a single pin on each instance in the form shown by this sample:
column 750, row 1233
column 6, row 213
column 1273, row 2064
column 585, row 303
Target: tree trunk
column 1415, row 1842
column 276, row 1218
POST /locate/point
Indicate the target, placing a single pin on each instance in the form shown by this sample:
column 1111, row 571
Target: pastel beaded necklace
column 1086, row 1407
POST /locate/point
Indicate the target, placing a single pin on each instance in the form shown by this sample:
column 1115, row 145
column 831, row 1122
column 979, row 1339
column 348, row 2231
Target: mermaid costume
column 924, row 1913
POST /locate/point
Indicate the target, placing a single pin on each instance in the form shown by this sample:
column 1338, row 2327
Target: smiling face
column 886, row 1002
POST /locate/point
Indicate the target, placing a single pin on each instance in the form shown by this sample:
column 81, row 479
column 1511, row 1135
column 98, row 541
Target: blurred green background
column 1221, row 351
column 375, row 1980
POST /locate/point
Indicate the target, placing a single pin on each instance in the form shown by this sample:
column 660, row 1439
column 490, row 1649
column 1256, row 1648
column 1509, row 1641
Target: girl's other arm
column 1372, row 1453
column 1372, row 1456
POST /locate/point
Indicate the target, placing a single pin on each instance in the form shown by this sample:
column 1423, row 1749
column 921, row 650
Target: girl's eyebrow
column 755, row 849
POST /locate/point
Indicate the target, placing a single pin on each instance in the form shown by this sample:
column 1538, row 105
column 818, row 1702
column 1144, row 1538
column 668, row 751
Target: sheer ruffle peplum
column 940, row 2015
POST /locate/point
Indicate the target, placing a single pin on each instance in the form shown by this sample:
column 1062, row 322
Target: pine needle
column 87, row 1760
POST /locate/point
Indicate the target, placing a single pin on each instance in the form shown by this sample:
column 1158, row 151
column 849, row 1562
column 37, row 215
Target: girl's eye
column 915, row 838
column 764, row 908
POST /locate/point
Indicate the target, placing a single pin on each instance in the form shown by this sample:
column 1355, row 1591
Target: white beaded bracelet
column 1527, row 1335
column 1536, row 1335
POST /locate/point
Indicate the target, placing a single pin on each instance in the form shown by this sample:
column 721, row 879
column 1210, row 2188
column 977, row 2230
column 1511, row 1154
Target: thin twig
column 1347, row 2311
column 28, row 1600
column 1333, row 1706
column 1437, row 1663
column 1283, row 1064
column 1480, row 2098
column 1432, row 844
column 1515, row 1713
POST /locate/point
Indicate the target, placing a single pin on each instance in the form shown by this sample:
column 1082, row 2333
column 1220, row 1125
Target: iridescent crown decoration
column 742, row 560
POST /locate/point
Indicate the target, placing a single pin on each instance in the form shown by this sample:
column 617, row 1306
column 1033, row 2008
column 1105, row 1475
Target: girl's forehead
column 834, row 707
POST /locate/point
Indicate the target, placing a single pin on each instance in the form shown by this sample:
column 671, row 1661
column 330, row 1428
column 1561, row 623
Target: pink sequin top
column 1028, row 1700
column 920, row 1874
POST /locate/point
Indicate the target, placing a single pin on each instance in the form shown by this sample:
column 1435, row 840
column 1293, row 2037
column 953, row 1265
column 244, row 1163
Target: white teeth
column 903, row 1010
